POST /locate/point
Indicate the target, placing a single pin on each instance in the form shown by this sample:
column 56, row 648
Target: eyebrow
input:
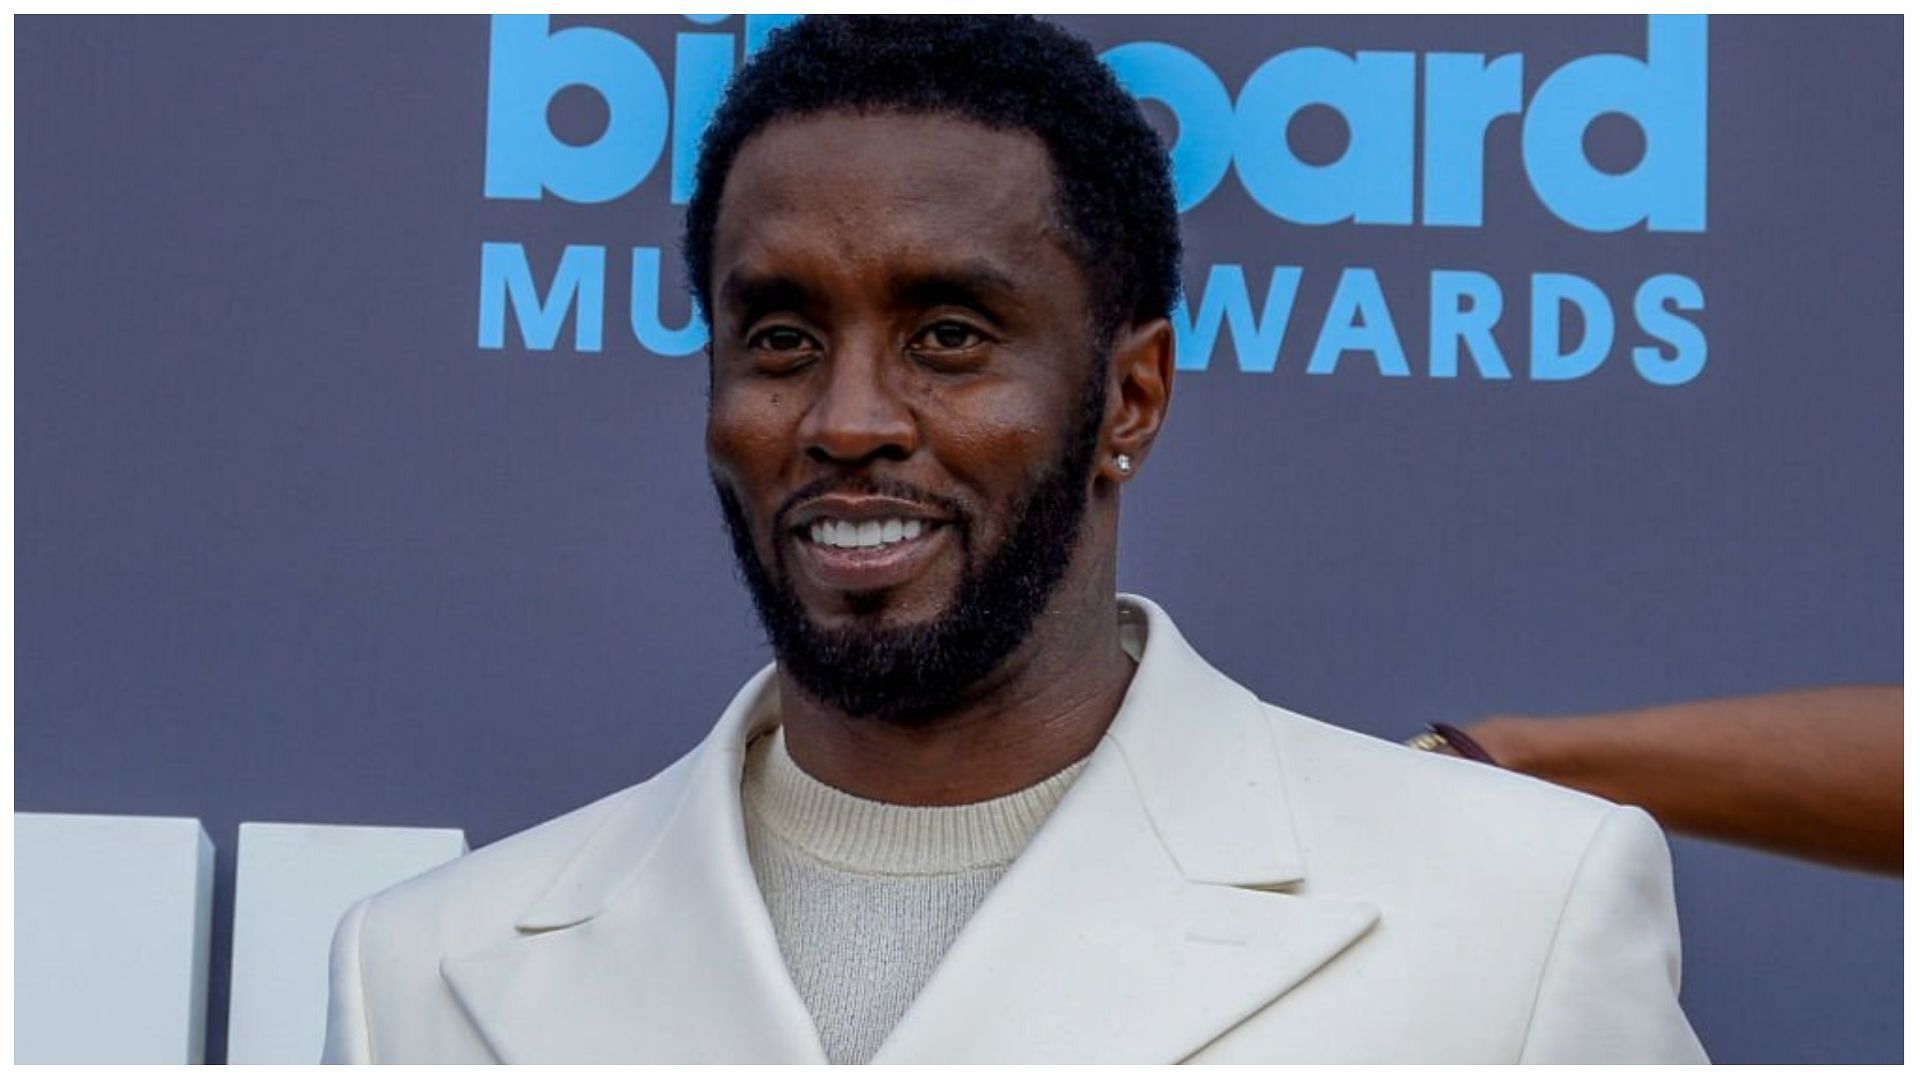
column 752, row 293
column 974, row 284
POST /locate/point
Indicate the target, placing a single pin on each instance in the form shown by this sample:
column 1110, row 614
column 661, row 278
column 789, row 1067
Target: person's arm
column 1812, row 773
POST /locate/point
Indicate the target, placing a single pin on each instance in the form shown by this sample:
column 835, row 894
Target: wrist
column 1516, row 743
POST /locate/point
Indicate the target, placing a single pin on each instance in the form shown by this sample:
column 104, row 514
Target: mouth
column 851, row 547
column 869, row 535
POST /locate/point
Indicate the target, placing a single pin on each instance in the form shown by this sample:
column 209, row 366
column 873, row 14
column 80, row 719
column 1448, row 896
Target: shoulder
column 1321, row 756
column 1367, row 802
column 1553, row 907
column 465, row 903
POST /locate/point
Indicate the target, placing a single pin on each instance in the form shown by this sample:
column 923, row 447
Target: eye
column 948, row 336
column 779, row 340
column 781, row 349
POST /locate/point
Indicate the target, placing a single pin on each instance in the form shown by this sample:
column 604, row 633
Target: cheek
column 998, row 441
column 747, row 438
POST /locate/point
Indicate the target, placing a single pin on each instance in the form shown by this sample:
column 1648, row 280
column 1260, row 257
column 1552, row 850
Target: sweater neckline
column 870, row 837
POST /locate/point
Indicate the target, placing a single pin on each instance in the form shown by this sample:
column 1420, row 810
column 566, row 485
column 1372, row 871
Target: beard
column 903, row 675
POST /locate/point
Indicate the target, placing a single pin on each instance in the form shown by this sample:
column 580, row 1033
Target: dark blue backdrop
column 291, row 545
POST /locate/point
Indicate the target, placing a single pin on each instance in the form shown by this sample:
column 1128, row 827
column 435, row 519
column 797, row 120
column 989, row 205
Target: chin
column 873, row 610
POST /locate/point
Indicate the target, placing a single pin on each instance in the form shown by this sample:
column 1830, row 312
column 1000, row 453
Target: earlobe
column 1140, row 386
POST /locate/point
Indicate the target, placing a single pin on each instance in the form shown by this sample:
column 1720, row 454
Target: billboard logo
column 1371, row 182
column 1413, row 123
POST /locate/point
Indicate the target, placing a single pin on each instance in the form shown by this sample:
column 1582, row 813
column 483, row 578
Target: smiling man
column 980, row 808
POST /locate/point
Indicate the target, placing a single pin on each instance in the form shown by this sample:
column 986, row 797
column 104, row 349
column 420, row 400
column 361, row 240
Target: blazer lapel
column 653, row 945
column 1150, row 913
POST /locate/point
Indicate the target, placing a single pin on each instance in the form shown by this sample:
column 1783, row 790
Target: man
column 978, row 810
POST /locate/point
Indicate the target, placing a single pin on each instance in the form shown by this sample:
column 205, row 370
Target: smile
column 855, row 556
column 840, row 533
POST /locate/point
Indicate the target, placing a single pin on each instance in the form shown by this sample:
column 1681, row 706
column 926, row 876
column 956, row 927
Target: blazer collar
column 1143, row 920
column 1199, row 747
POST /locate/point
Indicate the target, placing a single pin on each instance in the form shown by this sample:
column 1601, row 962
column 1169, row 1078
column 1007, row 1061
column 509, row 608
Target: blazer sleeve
column 348, row 1039
column 1609, row 991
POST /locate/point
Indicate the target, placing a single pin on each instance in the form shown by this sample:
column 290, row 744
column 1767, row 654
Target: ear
column 1139, row 387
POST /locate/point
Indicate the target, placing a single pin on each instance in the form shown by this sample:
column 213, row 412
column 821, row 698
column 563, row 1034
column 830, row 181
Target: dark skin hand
column 1817, row 774
column 892, row 300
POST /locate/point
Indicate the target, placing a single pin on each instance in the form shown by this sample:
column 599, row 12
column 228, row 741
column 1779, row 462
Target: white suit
column 1225, row 882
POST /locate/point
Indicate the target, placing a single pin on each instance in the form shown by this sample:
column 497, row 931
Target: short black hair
column 1113, row 184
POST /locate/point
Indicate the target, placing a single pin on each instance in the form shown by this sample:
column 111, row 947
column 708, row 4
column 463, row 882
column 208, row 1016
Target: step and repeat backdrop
column 1526, row 365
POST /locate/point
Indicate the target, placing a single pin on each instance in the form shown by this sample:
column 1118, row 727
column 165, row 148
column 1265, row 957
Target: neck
column 1040, row 712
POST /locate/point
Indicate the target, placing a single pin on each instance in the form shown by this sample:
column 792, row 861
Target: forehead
column 862, row 189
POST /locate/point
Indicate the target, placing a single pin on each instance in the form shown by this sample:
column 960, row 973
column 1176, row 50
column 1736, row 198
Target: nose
column 859, row 414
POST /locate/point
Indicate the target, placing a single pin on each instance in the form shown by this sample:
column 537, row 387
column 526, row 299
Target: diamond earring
column 1124, row 463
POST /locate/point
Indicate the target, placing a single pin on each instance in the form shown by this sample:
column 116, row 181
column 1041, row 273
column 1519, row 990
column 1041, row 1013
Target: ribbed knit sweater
column 866, row 897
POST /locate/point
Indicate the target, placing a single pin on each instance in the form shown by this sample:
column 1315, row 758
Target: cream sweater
column 866, row 897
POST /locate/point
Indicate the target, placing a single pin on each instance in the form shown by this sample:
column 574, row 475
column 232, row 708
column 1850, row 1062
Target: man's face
column 906, row 398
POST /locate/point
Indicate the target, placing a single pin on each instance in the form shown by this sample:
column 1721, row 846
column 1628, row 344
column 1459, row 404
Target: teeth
column 871, row 534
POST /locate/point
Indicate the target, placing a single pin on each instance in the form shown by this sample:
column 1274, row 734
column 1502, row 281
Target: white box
column 292, row 884
column 110, row 932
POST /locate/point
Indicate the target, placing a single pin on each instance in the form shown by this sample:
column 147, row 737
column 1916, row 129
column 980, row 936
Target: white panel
column 292, row 884
column 110, row 934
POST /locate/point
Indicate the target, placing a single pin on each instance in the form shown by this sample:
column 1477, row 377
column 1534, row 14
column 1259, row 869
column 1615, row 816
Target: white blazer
column 1226, row 881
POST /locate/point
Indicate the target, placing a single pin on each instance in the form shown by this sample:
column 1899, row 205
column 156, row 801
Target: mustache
column 874, row 486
